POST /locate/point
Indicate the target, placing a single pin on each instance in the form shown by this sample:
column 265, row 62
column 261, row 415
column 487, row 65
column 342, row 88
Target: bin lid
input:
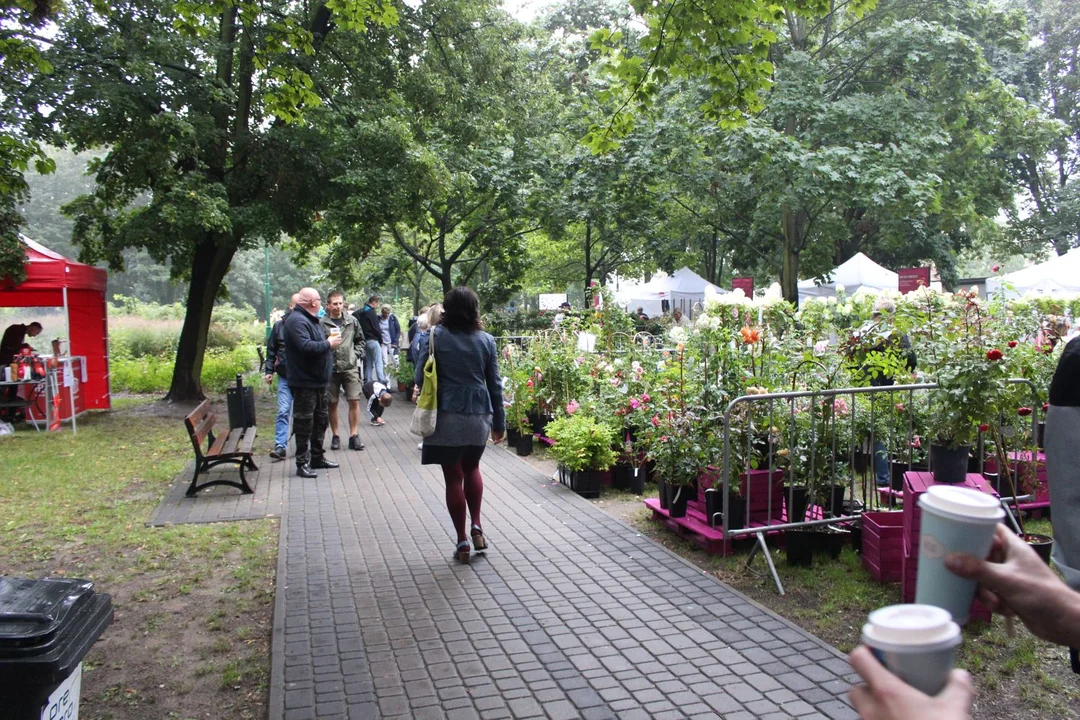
column 32, row 612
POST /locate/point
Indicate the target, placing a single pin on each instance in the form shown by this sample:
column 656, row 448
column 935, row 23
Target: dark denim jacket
column 468, row 367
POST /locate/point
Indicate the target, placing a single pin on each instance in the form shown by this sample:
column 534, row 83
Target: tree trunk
column 447, row 277
column 588, row 259
column 208, row 267
column 789, row 274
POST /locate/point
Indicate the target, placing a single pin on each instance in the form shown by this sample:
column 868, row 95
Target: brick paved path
column 570, row 615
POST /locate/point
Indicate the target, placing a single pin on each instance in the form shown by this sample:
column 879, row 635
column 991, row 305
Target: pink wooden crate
column 883, row 545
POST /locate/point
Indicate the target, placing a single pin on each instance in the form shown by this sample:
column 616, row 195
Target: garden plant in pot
column 405, row 374
column 675, row 447
column 971, row 378
column 584, row 447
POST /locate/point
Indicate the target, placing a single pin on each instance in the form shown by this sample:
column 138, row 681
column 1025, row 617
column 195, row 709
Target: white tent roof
column 683, row 289
column 1059, row 274
column 859, row 271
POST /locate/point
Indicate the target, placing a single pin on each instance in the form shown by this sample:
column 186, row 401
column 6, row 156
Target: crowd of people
column 318, row 354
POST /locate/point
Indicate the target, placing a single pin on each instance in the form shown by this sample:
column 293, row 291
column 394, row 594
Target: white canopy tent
column 1060, row 274
column 859, row 271
column 682, row 290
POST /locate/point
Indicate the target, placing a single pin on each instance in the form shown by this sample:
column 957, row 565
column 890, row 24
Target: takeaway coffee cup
column 915, row 642
column 954, row 519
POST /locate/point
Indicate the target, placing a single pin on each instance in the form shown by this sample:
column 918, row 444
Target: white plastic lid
column 919, row 625
column 962, row 501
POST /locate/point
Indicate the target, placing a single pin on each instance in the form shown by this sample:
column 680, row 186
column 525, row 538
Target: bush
column 138, row 342
column 219, row 337
column 150, row 374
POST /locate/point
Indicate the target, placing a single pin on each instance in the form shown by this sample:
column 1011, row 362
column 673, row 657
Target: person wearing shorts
column 470, row 408
column 345, row 376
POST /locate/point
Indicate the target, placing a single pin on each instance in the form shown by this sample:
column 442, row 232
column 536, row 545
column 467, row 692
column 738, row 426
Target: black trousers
column 310, row 420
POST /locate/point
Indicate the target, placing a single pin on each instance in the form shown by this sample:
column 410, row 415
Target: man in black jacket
column 309, row 357
column 276, row 365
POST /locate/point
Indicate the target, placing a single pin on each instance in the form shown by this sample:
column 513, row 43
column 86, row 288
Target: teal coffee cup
column 915, row 642
column 954, row 519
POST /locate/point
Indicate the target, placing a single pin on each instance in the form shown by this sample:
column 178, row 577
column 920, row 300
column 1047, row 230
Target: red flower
column 1012, row 343
column 1046, row 406
column 994, row 354
column 984, row 427
column 995, row 268
column 1024, row 411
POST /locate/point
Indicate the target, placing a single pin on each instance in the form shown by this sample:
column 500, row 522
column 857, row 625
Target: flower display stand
column 883, row 545
column 1041, row 492
column 915, row 484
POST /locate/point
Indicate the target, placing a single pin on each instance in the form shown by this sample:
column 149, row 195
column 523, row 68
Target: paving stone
column 568, row 615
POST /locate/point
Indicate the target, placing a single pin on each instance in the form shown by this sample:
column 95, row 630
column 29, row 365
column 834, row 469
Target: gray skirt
column 455, row 433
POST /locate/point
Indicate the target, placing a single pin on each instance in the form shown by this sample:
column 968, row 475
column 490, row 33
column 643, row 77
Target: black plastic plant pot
column 950, row 465
column 831, row 540
column 1041, row 544
column 714, row 509
column 620, row 476
column 678, row 495
column 524, row 445
column 512, row 436
column 635, row 480
column 586, row 483
column 661, row 489
column 800, row 500
column 896, row 475
column 800, row 547
column 1040, row 435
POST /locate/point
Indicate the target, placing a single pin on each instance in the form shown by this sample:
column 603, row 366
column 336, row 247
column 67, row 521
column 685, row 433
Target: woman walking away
column 470, row 407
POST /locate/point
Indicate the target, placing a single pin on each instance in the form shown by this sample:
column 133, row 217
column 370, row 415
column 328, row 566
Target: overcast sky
column 525, row 10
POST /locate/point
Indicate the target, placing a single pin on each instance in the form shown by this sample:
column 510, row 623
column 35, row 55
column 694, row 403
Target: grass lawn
column 1016, row 677
column 192, row 603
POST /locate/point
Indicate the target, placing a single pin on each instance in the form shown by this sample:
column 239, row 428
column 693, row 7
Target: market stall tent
column 54, row 281
column 1060, row 274
column 684, row 290
column 859, row 271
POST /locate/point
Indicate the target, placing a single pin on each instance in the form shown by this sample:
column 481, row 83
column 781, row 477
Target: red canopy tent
column 54, row 281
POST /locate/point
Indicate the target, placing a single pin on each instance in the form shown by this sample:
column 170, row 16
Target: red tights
column 464, row 490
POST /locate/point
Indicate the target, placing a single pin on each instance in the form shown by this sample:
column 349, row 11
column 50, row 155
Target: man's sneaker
column 335, row 443
column 278, row 453
column 355, row 444
column 378, row 422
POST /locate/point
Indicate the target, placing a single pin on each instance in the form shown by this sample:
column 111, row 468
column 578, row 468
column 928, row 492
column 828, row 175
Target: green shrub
column 220, row 337
column 137, row 342
column 149, row 374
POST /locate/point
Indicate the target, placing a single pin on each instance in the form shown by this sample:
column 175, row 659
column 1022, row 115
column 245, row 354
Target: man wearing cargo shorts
column 345, row 375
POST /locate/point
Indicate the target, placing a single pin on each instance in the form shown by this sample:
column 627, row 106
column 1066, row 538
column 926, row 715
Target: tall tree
column 199, row 105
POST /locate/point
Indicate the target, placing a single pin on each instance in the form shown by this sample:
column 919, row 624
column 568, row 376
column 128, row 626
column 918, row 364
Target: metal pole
column 266, row 288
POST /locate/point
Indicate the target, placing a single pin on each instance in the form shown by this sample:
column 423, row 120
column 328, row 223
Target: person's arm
column 887, row 697
column 371, row 403
column 1015, row 581
column 494, row 386
column 271, row 352
column 421, row 360
column 308, row 345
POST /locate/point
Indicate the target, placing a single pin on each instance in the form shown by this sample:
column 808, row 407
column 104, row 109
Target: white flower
column 635, row 365
column 678, row 334
column 839, row 289
column 821, row 347
column 831, row 301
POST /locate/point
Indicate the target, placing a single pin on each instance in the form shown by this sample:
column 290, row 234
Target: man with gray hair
column 309, row 355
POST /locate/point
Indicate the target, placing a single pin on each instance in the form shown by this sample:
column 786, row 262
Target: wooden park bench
column 232, row 447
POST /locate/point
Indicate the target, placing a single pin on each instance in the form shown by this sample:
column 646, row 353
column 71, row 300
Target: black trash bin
column 46, row 629
column 240, row 401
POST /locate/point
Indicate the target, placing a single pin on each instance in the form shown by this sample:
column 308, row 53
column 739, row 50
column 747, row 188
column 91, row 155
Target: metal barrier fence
column 815, row 434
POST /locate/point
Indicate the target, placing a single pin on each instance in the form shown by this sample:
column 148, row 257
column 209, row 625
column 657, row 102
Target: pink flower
column 916, row 442
column 899, row 407
column 995, row 268
column 614, row 382
column 529, row 383
column 572, row 407
column 645, row 398
column 655, row 421
column 1023, row 412
column 634, row 403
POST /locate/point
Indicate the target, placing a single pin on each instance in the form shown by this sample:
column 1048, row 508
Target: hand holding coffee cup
column 954, row 519
column 1015, row 581
column 886, row 697
column 915, row 642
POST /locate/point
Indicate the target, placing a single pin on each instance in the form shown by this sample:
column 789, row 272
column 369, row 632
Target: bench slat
column 234, row 439
column 249, row 440
column 219, row 442
column 200, row 431
column 201, row 410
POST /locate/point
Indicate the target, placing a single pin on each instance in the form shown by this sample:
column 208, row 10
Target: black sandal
column 479, row 542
